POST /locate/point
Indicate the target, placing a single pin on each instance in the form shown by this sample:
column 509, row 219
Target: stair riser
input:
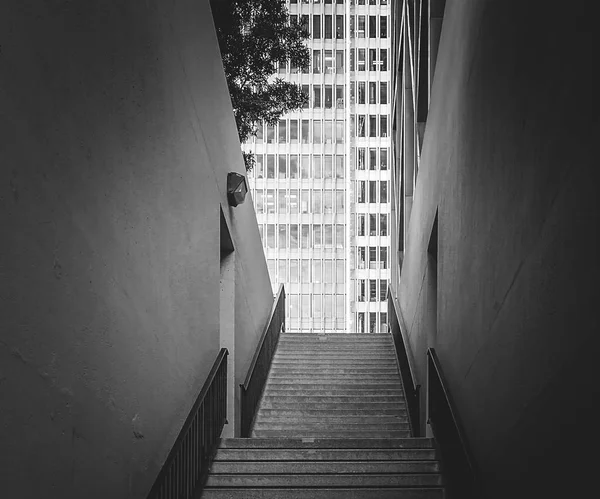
column 239, row 480
column 283, row 413
column 300, row 467
column 325, row 493
column 315, row 454
column 329, row 434
column 327, row 443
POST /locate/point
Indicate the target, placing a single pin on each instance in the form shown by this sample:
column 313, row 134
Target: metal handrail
column 185, row 470
column 459, row 466
column 412, row 390
column 253, row 386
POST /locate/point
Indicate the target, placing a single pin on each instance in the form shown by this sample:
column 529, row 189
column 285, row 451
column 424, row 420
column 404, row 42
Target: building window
column 304, row 201
column 372, row 92
column 383, row 224
column 270, row 201
column 352, row 55
column 372, row 125
column 328, row 96
column 316, row 202
column 328, row 167
column 373, row 59
column 361, row 125
column 361, row 322
column 328, row 26
column 339, row 27
column 382, row 290
column 271, row 236
column 383, row 59
column 317, row 171
column 317, row 61
column 372, row 26
column 383, row 27
column 360, row 32
column 317, row 242
column 383, row 158
column 317, row 132
column 339, row 61
column 361, row 92
column 373, row 264
column 340, row 242
column 383, row 191
column 305, row 166
column 328, row 61
column 360, row 224
column 282, row 166
column 294, row 166
column 282, row 132
column 259, row 168
column 373, row 224
column 316, row 26
column 282, row 236
column 361, row 192
column 383, row 126
column 316, row 96
column 339, row 201
column 361, row 158
column 372, row 289
column 372, row 191
column 361, row 259
column 294, row 131
column 293, row 237
column 383, row 257
column 305, row 131
column 361, row 59
column 294, row 201
column 328, row 237
column 339, row 167
column 383, row 92
column 305, row 237
column 327, row 201
column 283, row 201
column 372, row 159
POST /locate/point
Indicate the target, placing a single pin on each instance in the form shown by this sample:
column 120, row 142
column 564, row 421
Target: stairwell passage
column 332, row 423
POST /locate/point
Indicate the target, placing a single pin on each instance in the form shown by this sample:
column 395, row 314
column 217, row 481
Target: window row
column 377, row 26
column 324, row 96
column 358, row 59
column 371, row 290
column 283, row 166
column 305, row 236
column 282, row 201
column 377, row 257
column 371, row 92
column 303, row 270
column 371, row 125
column 374, row 154
column 371, row 327
column 341, row 2
column 304, row 131
column 372, row 224
column 370, row 187
column 317, row 306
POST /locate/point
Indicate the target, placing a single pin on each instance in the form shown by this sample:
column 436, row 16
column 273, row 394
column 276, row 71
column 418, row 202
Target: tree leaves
column 255, row 35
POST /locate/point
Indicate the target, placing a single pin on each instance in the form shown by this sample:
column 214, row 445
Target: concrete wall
column 509, row 158
column 116, row 136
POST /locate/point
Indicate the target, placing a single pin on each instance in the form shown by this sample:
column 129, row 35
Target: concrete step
column 326, row 403
column 328, row 443
column 323, row 480
column 327, row 425
column 339, row 400
column 303, row 412
column 309, row 451
column 325, row 493
column 279, row 369
column 291, row 433
column 337, row 364
column 328, row 391
column 341, row 467
column 364, row 382
column 329, row 418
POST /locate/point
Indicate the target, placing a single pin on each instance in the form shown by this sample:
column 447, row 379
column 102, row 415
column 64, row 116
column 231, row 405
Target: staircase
column 332, row 424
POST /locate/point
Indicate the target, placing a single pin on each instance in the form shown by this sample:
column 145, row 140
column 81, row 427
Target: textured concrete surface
column 509, row 155
column 116, row 136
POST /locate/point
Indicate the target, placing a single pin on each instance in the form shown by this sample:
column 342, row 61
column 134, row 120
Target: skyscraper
column 321, row 180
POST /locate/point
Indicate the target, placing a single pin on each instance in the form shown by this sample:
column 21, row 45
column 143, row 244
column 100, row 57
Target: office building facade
column 321, row 180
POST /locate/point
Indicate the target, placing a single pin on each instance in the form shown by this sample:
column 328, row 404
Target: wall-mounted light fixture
column 236, row 188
